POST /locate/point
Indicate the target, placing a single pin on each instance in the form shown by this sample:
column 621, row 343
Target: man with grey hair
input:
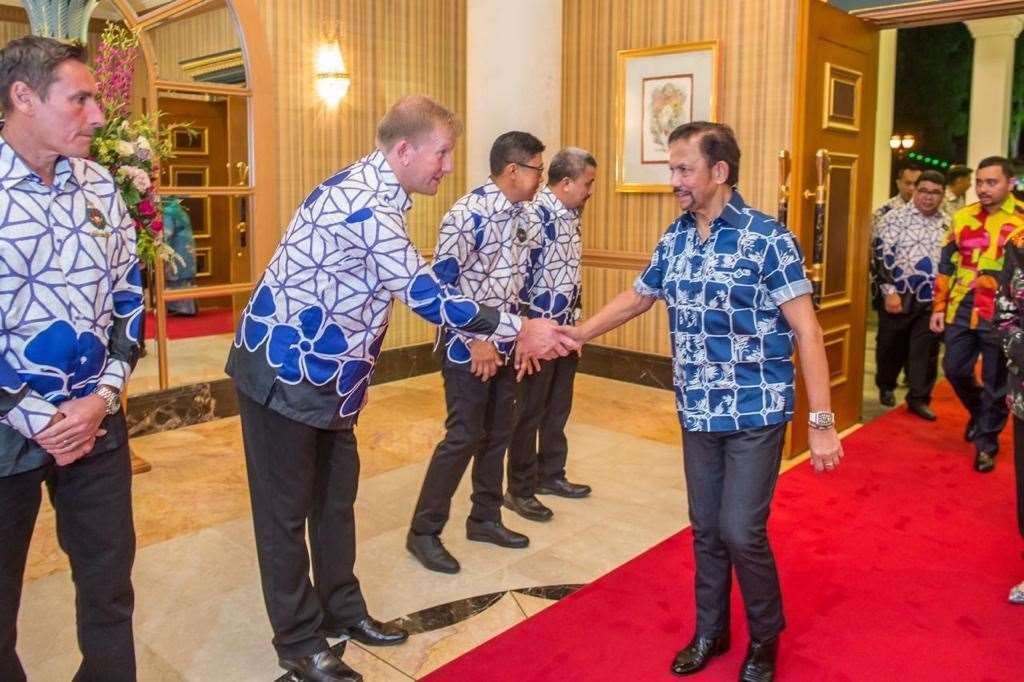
column 302, row 362
column 70, row 323
column 539, row 449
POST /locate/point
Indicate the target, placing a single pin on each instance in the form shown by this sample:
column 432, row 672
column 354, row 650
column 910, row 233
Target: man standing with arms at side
column 734, row 284
column 906, row 250
column 539, row 449
column 482, row 248
column 965, row 293
column 302, row 361
column 70, row 317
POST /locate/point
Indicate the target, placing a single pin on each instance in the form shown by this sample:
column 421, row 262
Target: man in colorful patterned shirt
column 965, row 292
column 70, row 319
column 734, row 284
column 483, row 248
column 302, row 362
column 906, row 251
column 539, row 449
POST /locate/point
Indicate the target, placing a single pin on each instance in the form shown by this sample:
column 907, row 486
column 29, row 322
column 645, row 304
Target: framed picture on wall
column 659, row 89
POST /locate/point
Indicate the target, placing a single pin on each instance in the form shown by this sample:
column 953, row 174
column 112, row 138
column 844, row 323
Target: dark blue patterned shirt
column 731, row 346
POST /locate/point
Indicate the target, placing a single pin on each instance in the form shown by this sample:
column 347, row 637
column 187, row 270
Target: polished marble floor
column 199, row 612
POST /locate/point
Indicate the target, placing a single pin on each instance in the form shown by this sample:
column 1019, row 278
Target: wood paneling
column 755, row 39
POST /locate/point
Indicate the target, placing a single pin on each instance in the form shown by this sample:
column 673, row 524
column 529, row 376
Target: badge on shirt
column 521, row 235
column 98, row 221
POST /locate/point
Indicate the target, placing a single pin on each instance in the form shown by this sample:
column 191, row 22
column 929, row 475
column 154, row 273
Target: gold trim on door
column 833, row 118
column 834, row 299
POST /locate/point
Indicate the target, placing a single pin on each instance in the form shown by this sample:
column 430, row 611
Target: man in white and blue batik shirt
column 302, row 361
column 733, row 281
column 539, row 449
column 70, row 324
column 483, row 248
column 906, row 250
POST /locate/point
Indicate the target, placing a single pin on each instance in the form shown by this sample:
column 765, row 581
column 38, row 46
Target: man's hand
column 484, row 359
column 893, row 304
column 826, row 450
column 538, row 340
column 937, row 323
column 73, row 431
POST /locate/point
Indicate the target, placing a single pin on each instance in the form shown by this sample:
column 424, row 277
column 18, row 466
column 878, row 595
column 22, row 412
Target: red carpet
column 208, row 322
column 897, row 567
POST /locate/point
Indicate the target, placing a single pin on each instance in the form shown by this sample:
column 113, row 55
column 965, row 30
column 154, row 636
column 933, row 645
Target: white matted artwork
column 659, row 89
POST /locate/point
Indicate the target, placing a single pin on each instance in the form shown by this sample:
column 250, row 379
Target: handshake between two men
column 539, row 339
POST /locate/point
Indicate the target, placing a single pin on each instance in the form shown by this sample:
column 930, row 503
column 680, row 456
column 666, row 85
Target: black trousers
column 730, row 480
column 300, row 475
column 1018, row 460
column 986, row 404
column 539, row 447
column 904, row 340
column 92, row 499
column 481, row 416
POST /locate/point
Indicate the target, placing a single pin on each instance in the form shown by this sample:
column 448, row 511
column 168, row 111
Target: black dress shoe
column 921, row 410
column 971, row 431
column 372, row 632
column 695, row 655
column 759, row 665
column 984, row 462
column 562, row 488
column 320, row 667
column 431, row 553
column 496, row 533
column 887, row 398
column 528, row 507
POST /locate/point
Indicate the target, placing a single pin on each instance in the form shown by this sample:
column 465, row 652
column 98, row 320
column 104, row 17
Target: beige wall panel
column 755, row 39
column 191, row 37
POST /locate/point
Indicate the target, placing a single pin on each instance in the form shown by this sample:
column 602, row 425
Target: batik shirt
column 971, row 262
column 906, row 251
column 1009, row 320
column 731, row 346
column 552, row 286
column 892, row 203
column 70, row 297
column 483, row 248
column 310, row 336
column 953, row 203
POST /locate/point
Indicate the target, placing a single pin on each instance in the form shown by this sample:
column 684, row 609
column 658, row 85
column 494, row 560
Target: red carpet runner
column 208, row 322
column 897, row 567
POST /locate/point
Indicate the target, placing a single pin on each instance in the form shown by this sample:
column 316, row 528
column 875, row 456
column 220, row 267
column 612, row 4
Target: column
column 513, row 76
column 884, row 113
column 991, row 85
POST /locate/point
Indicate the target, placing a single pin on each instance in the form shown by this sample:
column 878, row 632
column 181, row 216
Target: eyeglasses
column 932, row 192
column 539, row 169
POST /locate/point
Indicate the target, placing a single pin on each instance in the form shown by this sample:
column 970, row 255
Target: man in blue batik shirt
column 483, row 248
column 539, row 449
column 70, row 318
column 302, row 361
column 734, row 284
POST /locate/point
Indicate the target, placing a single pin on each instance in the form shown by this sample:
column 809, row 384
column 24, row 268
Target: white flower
column 138, row 177
column 124, row 148
column 142, row 143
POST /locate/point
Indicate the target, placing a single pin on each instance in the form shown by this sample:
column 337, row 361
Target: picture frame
column 657, row 90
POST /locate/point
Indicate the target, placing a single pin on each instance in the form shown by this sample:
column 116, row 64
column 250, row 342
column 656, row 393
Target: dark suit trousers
column 481, row 416
column 539, row 447
column 730, row 480
column 92, row 499
column 986, row 404
column 300, row 475
column 905, row 340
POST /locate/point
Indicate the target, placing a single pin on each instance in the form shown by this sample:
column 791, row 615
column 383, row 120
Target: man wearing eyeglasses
column 483, row 249
column 906, row 250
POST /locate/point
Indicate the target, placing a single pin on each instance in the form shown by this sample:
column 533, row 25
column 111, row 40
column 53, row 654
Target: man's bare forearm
column 617, row 312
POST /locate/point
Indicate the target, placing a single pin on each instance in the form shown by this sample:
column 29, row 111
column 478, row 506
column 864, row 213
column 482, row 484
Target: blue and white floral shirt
column 483, row 248
column 70, row 296
column 310, row 336
column 732, row 348
column 906, row 249
column 552, row 287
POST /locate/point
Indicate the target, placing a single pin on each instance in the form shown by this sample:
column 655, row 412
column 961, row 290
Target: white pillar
column 513, row 76
column 884, row 113
column 991, row 85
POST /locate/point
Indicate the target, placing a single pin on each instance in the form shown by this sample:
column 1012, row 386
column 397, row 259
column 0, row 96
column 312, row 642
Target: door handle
column 784, row 166
column 820, row 194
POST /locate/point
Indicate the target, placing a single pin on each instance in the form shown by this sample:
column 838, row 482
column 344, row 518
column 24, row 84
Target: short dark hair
column 717, row 143
column 513, row 147
column 569, row 163
column 931, row 176
column 1000, row 161
column 957, row 171
column 904, row 167
column 33, row 61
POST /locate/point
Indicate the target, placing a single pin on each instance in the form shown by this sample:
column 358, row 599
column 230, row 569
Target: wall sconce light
column 901, row 142
column 332, row 79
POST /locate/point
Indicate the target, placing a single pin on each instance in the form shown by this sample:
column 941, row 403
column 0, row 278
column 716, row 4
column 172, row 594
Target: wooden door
column 834, row 120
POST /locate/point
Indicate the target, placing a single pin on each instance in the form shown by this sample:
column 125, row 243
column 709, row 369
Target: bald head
column 413, row 118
